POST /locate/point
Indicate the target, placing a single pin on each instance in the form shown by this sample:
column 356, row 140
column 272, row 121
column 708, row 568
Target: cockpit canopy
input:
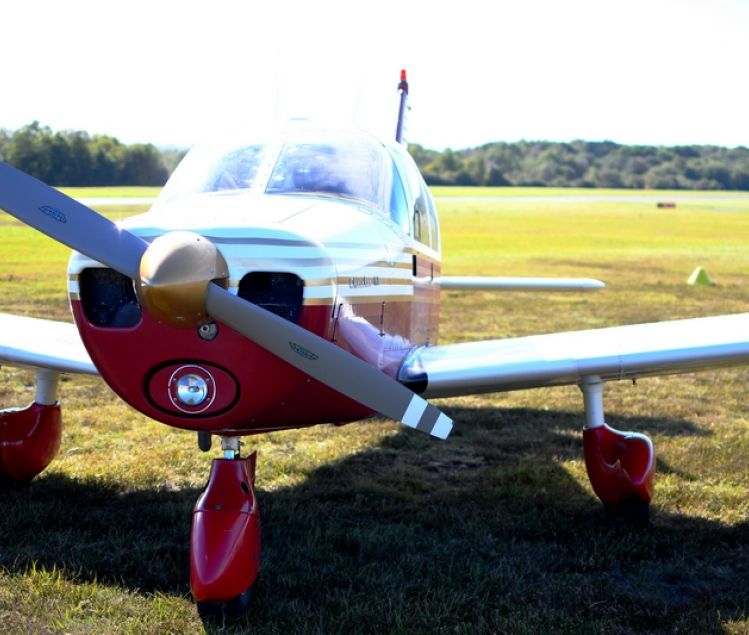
column 303, row 161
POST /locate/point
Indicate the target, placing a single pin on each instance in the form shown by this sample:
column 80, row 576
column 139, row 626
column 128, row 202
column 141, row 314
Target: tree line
column 587, row 164
column 75, row 158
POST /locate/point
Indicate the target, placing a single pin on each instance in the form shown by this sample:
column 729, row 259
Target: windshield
column 341, row 163
column 216, row 168
column 304, row 161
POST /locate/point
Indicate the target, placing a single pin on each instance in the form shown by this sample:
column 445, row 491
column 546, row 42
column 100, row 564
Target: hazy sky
column 174, row 72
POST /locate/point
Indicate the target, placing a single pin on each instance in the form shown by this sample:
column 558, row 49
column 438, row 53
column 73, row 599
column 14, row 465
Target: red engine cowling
column 245, row 389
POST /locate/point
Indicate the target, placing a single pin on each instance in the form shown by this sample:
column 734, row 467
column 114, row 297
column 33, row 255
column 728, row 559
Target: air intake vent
column 280, row 293
column 108, row 298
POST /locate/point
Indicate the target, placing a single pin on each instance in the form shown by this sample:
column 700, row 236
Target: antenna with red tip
column 403, row 88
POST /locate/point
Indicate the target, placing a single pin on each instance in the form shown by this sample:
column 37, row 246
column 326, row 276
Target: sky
column 657, row 72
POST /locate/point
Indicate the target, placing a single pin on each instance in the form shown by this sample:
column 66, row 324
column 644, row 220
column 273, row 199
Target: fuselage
column 333, row 230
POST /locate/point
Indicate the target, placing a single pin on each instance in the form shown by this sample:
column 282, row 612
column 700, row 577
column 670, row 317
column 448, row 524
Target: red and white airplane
column 292, row 279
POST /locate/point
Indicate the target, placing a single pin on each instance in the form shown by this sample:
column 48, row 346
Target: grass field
column 371, row 528
column 136, row 191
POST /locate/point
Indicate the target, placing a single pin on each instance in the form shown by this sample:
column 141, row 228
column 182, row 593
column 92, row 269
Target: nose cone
column 174, row 274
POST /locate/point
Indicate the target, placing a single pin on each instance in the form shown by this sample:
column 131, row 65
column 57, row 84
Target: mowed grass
column 371, row 528
column 133, row 191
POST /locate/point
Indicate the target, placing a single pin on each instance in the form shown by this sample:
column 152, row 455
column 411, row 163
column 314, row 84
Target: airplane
column 290, row 279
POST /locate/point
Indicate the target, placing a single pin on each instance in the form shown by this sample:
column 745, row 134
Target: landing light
column 192, row 390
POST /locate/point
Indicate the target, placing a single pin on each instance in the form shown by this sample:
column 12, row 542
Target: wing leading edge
column 500, row 283
column 623, row 352
column 45, row 344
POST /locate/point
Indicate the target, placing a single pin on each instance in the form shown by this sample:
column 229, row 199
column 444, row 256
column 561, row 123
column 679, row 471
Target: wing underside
column 624, row 352
column 45, row 344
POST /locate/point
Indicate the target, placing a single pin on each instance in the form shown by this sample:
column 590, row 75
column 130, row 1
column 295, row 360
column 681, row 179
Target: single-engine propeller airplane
column 293, row 279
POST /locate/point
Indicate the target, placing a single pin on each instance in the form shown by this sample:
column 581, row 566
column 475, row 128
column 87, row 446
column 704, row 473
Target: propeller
column 183, row 295
column 69, row 222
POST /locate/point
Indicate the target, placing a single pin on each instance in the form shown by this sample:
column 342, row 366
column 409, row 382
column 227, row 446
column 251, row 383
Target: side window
column 421, row 220
column 398, row 203
column 434, row 227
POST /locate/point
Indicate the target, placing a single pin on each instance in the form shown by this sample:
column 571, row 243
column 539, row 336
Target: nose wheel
column 225, row 535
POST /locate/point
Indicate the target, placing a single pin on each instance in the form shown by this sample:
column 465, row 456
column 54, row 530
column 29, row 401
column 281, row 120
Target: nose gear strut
column 225, row 536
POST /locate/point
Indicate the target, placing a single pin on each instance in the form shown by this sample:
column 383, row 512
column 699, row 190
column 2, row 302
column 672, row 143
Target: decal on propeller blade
column 300, row 350
column 53, row 213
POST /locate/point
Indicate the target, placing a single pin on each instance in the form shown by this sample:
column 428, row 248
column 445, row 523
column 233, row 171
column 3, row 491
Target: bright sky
column 174, row 72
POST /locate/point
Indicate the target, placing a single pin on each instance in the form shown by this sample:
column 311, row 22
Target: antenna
column 403, row 88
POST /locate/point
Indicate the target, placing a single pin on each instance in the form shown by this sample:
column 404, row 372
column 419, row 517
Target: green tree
column 107, row 157
column 662, row 177
column 79, row 161
column 142, row 165
column 29, row 150
column 4, row 141
column 171, row 158
column 495, row 176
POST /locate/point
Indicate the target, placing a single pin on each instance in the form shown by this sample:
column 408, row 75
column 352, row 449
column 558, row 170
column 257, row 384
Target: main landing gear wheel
column 620, row 465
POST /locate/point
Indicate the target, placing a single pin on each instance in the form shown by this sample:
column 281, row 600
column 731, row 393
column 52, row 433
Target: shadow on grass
column 485, row 533
column 94, row 531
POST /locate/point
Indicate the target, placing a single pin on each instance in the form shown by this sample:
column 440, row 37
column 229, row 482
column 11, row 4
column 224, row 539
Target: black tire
column 204, row 441
column 222, row 610
column 631, row 510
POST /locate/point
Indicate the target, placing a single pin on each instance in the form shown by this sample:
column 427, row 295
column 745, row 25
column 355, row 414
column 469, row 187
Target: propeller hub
column 175, row 272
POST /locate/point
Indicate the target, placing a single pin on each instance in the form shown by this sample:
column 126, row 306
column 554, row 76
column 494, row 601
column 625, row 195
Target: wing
column 623, row 352
column 44, row 344
column 487, row 283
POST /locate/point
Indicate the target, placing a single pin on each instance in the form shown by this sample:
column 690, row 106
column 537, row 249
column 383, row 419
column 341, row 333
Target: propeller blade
column 69, row 222
column 326, row 362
